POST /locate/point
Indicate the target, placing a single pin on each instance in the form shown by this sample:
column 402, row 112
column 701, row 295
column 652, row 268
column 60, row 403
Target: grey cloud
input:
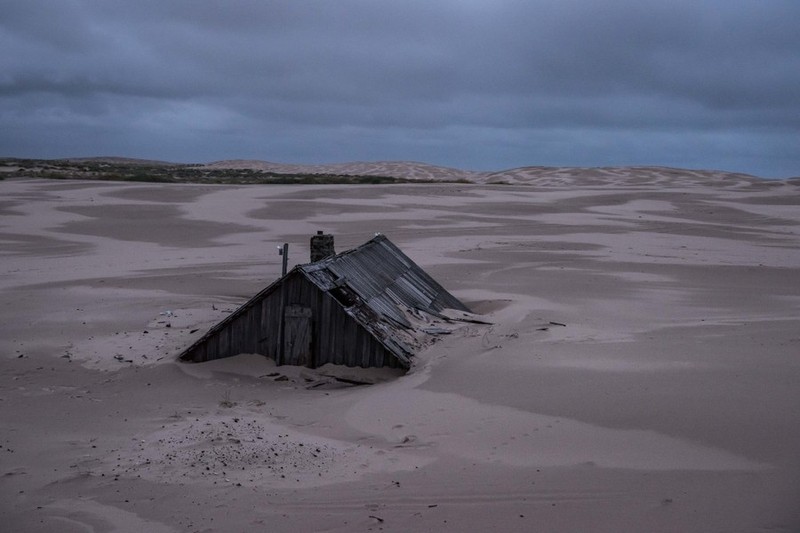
column 498, row 73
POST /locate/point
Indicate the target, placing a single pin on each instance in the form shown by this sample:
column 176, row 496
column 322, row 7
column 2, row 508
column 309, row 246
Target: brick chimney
column 321, row 247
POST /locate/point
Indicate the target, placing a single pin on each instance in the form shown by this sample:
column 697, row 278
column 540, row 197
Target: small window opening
column 344, row 296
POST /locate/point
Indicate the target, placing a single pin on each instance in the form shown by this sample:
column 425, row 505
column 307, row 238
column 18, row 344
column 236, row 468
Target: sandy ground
column 641, row 372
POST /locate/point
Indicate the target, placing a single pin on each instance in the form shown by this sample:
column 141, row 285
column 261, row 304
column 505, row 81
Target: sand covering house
column 370, row 307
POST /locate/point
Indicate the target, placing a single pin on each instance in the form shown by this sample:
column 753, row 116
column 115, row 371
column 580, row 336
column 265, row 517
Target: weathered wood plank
column 297, row 336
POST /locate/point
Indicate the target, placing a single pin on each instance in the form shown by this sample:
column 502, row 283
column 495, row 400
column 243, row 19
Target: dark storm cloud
column 482, row 84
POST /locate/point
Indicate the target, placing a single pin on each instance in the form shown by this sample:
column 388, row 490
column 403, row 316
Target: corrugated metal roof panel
column 379, row 284
column 378, row 267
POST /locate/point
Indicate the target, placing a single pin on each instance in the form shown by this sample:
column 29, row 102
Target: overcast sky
column 475, row 84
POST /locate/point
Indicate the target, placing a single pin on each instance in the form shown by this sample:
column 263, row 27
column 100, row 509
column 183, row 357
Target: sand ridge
column 540, row 176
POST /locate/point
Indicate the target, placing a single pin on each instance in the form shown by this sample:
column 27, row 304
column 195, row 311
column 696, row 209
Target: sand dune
column 618, row 176
column 538, row 176
column 639, row 372
column 396, row 169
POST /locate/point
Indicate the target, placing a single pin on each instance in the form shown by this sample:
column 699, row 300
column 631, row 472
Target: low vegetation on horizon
column 157, row 172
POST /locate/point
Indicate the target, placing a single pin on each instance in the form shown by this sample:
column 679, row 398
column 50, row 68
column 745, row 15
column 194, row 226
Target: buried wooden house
column 370, row 307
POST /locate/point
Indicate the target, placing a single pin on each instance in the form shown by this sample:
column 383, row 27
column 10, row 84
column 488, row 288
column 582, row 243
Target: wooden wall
column 256, row 328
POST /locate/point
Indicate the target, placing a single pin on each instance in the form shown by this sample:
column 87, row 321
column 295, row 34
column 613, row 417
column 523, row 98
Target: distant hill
column 241, row 171
column 410, row 170
column 119, row 161
column 533, row 175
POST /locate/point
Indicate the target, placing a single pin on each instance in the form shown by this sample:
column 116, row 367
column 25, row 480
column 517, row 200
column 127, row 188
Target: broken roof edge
column 410, row 266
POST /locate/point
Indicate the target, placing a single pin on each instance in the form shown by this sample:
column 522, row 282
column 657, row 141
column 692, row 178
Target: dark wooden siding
column 255, row 328
column 337, row 338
